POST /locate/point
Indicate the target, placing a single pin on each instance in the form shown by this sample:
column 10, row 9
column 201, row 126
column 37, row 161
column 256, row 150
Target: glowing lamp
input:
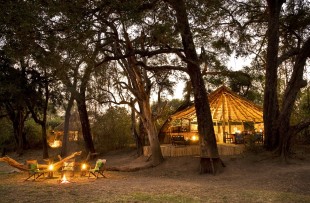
column 84, row 166
column 51, row 167
column 194, row 138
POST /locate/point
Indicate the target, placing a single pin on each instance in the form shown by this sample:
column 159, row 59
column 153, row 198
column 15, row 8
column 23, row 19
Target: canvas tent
column 230, row 112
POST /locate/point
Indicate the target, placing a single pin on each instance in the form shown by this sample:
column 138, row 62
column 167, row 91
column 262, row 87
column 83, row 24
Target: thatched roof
column 74, row 123
column 226, row 106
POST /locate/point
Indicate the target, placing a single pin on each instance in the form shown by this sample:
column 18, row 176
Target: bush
column 112, row 130
column 6, row 134
column 53, row 123
column 303, row 137
column 33, row 133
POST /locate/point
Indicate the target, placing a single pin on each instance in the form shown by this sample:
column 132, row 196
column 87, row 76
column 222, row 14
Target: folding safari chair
column 99, row 168
column 33, row 170
column 68, row 167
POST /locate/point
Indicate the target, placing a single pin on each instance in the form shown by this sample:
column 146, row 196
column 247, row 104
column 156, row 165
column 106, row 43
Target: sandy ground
column 246, row 178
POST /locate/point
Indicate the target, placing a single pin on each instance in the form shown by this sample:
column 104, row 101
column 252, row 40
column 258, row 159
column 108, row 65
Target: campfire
column 64, row 180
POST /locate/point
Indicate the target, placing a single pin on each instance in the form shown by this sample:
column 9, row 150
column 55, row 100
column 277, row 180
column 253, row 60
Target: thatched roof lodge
column 231, row 113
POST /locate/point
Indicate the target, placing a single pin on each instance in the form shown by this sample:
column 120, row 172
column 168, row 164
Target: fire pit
column 64, row 180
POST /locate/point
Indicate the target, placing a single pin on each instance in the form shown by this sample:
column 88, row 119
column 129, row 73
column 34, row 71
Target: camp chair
column 33, row 170
column 68, row 167
column 239, row 138
column 99, row 168
column 257, row 137
column 229, row 138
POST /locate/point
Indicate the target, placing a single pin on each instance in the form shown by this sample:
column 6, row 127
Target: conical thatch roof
column 74, row 123
column 226, row 106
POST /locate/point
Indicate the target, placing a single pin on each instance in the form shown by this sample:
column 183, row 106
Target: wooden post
column 242, row 126
column 223, row 132
column 223, row 121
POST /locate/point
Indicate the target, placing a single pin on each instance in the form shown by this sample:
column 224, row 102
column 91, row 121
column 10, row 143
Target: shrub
column 33, row 133
column 54, row 122
column 6, row 134
column 112, row 130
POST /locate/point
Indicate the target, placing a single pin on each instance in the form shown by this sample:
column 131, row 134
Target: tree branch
column 287, row 55
column 300, row 126
column 141, row 53
column 161, row 68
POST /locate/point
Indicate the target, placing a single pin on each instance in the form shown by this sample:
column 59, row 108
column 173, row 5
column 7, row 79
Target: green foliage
column 170, row 107
column 302, row 112
column 112, row 130
column 6, row 133
column 244, row 82
column 54, row 122
column 305, row 104
column 33, row 133
column 222, row 44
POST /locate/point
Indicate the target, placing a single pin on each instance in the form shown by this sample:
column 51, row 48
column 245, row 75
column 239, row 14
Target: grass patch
column 262, row 196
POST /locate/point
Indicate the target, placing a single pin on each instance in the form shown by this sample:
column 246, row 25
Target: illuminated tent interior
column 231, row 113
column 55, row 137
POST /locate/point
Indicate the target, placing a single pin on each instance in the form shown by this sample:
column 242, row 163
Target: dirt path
column 247, row 178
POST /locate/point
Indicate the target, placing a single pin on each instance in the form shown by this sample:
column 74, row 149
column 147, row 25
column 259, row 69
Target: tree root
column 129, row 168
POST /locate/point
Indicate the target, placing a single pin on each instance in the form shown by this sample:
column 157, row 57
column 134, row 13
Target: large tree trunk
column 141, row 89
column 149, row 126
column 293, row 88
column 142, row 134
column 18, row 125
column 278, row 132
column 134, row 132
column 271, row 107
column 65, row 139
column 18, row 121
column 210, row 161
column 44, row 141
column 15, row 133
column 81, row 103
column 43, row 123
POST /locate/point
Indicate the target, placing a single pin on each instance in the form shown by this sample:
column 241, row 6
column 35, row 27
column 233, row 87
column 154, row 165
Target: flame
column 64, row 179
